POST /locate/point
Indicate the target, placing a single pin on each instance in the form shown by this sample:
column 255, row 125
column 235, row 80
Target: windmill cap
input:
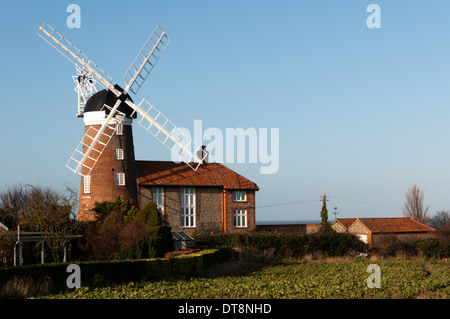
column 96, row 102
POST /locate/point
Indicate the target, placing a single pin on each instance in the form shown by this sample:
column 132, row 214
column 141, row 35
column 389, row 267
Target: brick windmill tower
column 105, row 156
column 114, row 172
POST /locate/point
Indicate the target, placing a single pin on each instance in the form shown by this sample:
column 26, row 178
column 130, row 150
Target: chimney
column 203, row 153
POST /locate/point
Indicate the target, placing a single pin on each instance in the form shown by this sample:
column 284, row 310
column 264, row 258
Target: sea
column 287, row 222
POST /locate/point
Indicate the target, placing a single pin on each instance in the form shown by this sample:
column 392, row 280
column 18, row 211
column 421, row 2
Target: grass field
column 332, row 278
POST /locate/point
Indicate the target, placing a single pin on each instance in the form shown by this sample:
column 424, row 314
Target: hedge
column 331, row 244
column 434, row 247
column 99, row 273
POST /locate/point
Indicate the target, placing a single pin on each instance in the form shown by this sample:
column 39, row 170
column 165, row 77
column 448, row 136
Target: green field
column 343, row 278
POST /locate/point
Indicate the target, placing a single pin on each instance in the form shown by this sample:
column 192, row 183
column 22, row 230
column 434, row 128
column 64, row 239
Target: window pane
column 87, row 184
column 119, row 154
column 187, row 201
column 120, row 179
column 119, row 129
column 239, row 196
column 158, row 197
column 240, row 218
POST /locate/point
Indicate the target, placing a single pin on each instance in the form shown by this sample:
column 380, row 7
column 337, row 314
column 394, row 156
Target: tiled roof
column 346, row 222
column 394, row 224
column 167, row 173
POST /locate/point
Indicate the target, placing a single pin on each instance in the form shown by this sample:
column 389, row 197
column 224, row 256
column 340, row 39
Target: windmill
column 108, row 114
column 152, row 120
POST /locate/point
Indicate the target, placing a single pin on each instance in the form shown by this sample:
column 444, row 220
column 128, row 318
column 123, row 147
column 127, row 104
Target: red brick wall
column 103, row 175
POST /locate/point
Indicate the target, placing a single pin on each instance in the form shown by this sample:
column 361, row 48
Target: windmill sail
column 169, row 134
column 93, row 144
column 146, row 60
column 73, row 54
column 85, row 88
column 88, row 152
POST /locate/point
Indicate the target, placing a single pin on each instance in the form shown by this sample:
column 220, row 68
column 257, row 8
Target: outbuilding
column 373, row 230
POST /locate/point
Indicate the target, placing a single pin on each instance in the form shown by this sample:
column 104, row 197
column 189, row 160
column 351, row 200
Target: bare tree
column 441, row 220
column 12, row 206
column 52, row 214
column 414, row 205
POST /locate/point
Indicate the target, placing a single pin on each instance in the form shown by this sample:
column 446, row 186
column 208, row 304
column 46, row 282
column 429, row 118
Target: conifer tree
column 325, row 226
column 324, row 214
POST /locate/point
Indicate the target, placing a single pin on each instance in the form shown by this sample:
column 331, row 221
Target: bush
column 433, row 247
column 392, row 246
column 331, row 244
column 123, row 232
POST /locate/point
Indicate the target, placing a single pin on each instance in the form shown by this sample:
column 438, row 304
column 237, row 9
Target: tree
column 325, row 226
column 121, row 205
column 53, row 214
column 160, row 240
column 41, row 209
column 104, row 236
column 441, row 220
column 414, row 205
column 12, row 206
column 121, row 231
column 6, row 244
column 324, row 214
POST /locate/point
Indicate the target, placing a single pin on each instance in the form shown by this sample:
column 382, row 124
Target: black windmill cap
column 96, row 102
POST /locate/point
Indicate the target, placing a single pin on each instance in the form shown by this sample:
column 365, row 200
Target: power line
column 309, row 200
column 290, row 203
column 366, row 203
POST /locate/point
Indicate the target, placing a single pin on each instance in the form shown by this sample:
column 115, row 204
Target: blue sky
column 363, row 113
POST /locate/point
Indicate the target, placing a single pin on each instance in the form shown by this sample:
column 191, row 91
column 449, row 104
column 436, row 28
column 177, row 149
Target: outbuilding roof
column 168, row 173
column 394, row 225
column 346, row 222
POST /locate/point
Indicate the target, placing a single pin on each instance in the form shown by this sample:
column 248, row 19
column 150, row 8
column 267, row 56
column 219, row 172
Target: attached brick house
column 212, row 199
column 373, row 230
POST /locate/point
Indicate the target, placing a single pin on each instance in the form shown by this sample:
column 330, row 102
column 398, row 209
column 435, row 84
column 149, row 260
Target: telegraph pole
column 323, row 198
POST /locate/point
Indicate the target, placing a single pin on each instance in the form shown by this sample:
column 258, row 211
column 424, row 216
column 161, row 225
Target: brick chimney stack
column 203, row 153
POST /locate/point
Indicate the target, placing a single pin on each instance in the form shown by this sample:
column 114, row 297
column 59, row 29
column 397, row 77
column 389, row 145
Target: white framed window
column 119, row 153
column 187, row 207
column 120, row 179
column 239, row 196
column 87, row 184
column 119, row 128
column 239, row 218
column 158, row 198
